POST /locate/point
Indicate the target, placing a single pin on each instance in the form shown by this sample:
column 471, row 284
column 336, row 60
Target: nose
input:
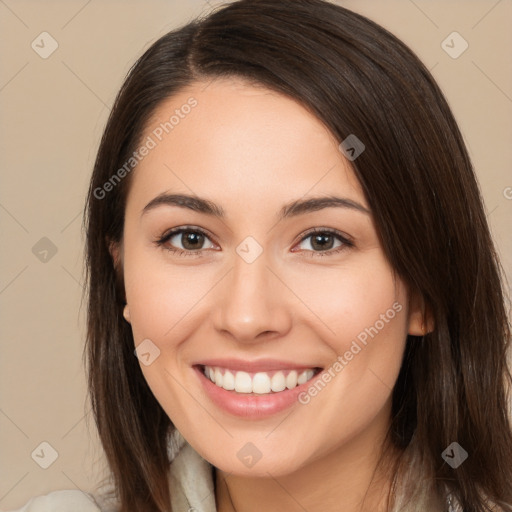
column 252, row 305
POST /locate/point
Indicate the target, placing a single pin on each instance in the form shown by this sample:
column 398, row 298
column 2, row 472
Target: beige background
column 53, row 114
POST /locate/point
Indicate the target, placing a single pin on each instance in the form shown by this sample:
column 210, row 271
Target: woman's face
column 248, row 293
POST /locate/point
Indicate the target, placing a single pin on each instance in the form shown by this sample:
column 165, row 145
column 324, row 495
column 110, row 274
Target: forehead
column 237, row 142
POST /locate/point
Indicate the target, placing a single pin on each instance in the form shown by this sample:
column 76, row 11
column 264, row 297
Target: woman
column 284, row 227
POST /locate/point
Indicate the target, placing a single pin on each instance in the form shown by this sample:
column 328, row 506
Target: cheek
column 160, row 295
column 349, row 300
column 361, row 313
column 164, row 299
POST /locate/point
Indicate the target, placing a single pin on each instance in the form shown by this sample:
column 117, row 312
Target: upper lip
column 260, row 365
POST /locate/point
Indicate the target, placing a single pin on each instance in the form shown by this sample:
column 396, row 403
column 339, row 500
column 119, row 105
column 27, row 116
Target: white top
column 60, row 501
column 190, row 481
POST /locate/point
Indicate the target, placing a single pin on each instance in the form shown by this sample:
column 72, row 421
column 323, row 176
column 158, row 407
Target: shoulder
column 61, row 501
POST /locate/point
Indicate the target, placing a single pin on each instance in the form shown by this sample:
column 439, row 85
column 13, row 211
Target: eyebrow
column 293, row 209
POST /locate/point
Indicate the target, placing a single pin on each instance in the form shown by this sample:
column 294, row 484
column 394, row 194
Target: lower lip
column 251, row 406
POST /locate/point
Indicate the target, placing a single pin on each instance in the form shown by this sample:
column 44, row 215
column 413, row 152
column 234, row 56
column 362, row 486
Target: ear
column 421, row 320
column 115, row 252
column 126, row 313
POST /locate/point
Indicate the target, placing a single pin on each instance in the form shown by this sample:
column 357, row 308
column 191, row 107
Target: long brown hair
column 357, row 78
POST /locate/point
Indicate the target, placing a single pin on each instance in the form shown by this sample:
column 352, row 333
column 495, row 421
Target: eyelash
column 346, row 243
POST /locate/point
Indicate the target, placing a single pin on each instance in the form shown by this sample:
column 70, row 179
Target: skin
column 250, row 151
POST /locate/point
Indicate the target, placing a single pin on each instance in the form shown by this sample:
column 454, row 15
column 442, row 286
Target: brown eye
column 322, row 242
column 191, row 240
column 185, row 241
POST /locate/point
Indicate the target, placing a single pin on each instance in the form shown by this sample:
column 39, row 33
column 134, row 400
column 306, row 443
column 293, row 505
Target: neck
column 347, row 479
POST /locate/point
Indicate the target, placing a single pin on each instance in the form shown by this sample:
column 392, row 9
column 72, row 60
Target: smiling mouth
column 258, row 383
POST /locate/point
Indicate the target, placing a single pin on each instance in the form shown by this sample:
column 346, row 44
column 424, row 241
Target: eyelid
column 331, row 231
column 162, row 240
column 346, row 240
column 179, row 229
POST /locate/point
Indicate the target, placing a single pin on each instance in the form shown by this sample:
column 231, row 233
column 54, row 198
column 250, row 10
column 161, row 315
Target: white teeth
column 229, row 381
column 243, row 382
column 218, row 377
column 303, row 377
column 278, row 382
column 291, row 379
column 261, row 383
